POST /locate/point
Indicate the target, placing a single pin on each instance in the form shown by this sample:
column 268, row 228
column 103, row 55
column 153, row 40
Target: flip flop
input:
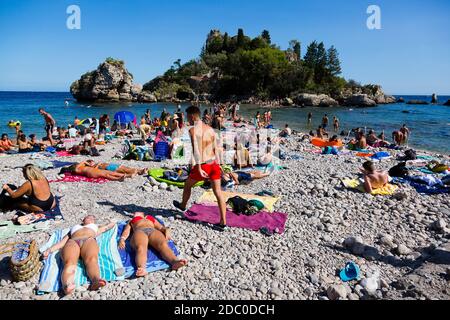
column 266, row 231
column 350, row 272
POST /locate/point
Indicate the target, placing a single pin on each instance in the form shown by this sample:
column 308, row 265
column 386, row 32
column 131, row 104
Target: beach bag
column 161, row 150
column 399, row 170
column 94, row 152
column 238, row 205
column 24, row 263
column 410, row 155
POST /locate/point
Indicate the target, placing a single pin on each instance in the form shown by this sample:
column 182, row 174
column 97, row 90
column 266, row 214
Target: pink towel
column 64, row 154
column 210, row 214
column 75, row 178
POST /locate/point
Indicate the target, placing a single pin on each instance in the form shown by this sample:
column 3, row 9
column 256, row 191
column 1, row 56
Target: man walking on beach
column 50, row 124
column 205, row 164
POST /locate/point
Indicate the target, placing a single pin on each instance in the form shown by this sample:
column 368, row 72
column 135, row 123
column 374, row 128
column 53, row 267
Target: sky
column 408, row 55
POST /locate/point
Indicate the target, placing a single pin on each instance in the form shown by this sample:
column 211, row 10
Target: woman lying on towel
column 32, row 196
column 147, row 231
column 373, row 179
column 114, row 167
column 80, row 242
column 87, row 169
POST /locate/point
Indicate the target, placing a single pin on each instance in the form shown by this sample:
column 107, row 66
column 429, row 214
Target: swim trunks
column 213, row 170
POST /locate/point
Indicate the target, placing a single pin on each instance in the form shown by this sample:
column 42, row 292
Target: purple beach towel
column 210, row 214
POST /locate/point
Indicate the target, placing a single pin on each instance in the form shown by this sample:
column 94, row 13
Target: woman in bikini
column 118, row 168
column 87, row 169
column 240, row 177
column 34, row 195
column 80, row 242
column 147, row 231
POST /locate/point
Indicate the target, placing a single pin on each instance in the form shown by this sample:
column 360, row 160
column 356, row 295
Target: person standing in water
column 50, row 124
column 310, row 119
column 406, row 132
column 325, row 122
column 336, row 124
column 205, row 164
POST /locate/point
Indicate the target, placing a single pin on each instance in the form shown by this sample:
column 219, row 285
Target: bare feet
column 179, row 264
column 142, row 172
column 97, row 284
column 141, row 272
column 68, row 288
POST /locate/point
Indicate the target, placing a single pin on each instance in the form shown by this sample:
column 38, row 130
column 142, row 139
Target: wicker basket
column 24, row 263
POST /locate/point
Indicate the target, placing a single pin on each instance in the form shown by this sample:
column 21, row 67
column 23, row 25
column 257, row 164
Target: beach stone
column 163, row 186
column 439, row 225
column 19, row 285
column 403, row 250
column 335, row 292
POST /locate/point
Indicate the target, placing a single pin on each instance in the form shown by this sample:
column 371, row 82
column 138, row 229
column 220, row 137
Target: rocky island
column 238, row 68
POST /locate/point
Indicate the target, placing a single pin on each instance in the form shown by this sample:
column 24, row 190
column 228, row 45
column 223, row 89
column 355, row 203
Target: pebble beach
column 404, row 239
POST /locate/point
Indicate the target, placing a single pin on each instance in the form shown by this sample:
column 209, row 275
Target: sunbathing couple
column 109, row 171
column 81, row 242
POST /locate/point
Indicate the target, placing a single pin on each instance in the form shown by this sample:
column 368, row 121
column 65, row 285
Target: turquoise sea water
column 429, row 124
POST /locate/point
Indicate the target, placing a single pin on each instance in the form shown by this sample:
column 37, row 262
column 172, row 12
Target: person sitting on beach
column 148, row 232
column 73, row 132
column 80, row 243
column 114, row 167
column 5, row 143
column 373, row 179
column 86, row 169
column 89, row 139
column 321, row 133
column 286, row 132
column 29, row 196
column 144, row 129
column 24, row 144
column 374, row 141
column 359, row 142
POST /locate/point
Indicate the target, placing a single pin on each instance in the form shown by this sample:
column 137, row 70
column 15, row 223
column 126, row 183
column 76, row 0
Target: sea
column 429, row 124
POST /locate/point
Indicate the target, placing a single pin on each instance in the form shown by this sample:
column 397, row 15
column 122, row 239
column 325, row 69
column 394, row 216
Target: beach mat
column 8, row 229
column 68, row 177
column 210, row 214
column 154, row 261
column 158, row 174
column 208, row 198
column 108, row 260
column 422, row 188
column 356, row 184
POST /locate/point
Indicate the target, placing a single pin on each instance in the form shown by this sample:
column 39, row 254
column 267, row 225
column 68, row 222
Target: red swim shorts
column 213, row 170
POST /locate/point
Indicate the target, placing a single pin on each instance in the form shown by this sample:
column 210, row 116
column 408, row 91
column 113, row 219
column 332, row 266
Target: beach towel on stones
column 210, row 214
column 8, row 229
column 154, row 261
column 357, row 184
column 422, row 187
column 208, row 198
column 111, row 268
column 158, row 175
column 68, row 177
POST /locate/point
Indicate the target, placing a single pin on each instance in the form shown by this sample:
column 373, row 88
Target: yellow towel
column 208, row 197
column 387, row 190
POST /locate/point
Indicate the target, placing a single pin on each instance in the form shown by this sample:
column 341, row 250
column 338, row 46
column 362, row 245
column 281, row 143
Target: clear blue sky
column 410, row 55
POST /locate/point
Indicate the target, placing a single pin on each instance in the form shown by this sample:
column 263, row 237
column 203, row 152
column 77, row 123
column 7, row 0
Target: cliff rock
column 315, row 100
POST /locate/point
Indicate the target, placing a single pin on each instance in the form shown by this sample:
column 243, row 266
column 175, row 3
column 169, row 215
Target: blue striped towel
column 154, row 261
column 111, row 268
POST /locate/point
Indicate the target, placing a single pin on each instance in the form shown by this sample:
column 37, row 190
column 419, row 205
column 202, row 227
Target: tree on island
column 243, row 66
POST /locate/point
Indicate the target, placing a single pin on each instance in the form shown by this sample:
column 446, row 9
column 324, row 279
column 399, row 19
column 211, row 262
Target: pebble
column 337, row 291
column 403, row 250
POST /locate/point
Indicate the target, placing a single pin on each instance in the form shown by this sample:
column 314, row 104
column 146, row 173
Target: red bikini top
column 149, row 218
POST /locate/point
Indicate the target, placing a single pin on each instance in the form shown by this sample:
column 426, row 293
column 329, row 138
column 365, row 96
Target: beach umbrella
column 125, row 117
